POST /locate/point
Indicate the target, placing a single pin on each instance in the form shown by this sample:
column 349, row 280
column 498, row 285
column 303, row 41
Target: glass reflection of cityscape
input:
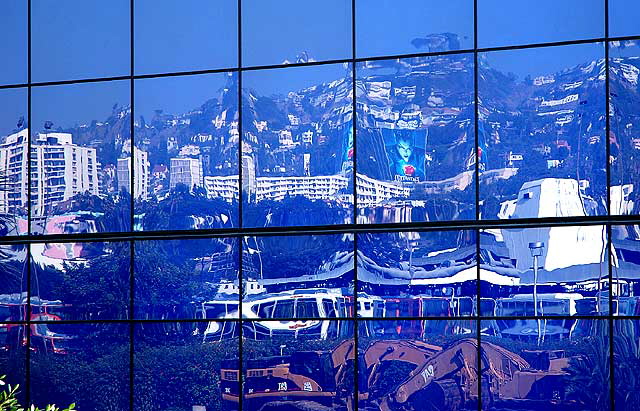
column 419, row 316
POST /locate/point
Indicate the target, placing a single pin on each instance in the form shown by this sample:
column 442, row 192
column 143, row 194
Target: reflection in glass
column 85, row 364
column 13, row 162
column 13, row 43
column 413, row 26
column 546, row 271
column 542, row 150
column 187, row 279
column 176, row 367
column 418, row 364
column 625, row 288
column 551, row 372
column 416, row 274
column 539, row 21
column 415, row 140
column 77, row 39
column 298, row 277
column 186, row 156
column 626, row 364
column 297, row 150
column 173, row 36
column 290, row 31
column 80, row 158
column 299, row 369
column 624, row 123
column 80, row 281
column 623, row 18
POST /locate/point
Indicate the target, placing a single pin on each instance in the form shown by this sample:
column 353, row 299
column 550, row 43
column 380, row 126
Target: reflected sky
column 623, row 18
column 13, row 44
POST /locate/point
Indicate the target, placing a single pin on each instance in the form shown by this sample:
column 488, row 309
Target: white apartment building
column 226, row 187
column 372, row 192
column 315, row 188
column 140, row 174
column 59, row 170
column 187, row 171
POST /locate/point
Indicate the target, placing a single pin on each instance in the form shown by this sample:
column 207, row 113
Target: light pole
column 536, row 251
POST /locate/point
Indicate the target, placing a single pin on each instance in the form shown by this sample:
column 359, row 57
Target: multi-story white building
column 187, row 171
column 315, row 188
column 372, row 192
column 225, row 187
column 140, row 174
column 59, row 171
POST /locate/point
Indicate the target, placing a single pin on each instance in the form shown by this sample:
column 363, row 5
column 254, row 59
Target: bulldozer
column 435, row 378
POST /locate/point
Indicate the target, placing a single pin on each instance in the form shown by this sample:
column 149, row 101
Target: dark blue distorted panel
column 85, row 364
column 540, row 272
column 185, row 365
column 415, row 139
column 417, row 274
column 80, row 281
column 14, row 140
column 81, row 158
column 624, row 123
column 549, row 371
column 297, row 153
column 293, row 277
column 623, row 18
column 625, row 270
column 412, row 26
column 542, row 146
column 75, row 39
column 186, row 152
column 173, row 36
column 186, row 278
column 538, row 21
column 289, row 31
column 13, row 45
column 626, row 364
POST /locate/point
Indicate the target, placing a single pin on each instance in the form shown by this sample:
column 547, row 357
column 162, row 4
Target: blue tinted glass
column 13, row 162
column 538, row 21
column 298, row 276
column 178, row 367
column 13, row 43
column 185, row 35
column 541, row 132
column 84, row 364
column 626, row 364
column 80, row 158
column 75, row 39
column 388, row 27
column 625, row 269
column 297, row 150
column 413, row 364
column 80, row 281
column 291, row 31
column 516, row 353
column 537, row 271
column 415, row 140
column 623, row 18
column 186, row 137
column 411, row 274
column 624, row 123
column 283, row 364
column 186, row 279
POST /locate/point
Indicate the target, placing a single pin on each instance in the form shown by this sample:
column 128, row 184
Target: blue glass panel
column 624, row 123
column 77, row 39
column 415, row 140
column 80, row 281
column 546, row 271
column 418, row 364
column 80, row 158
column 388, row 27
column 298, row 276
column 625, row 247
column 174, row 36
column 13, row 162
column 13, row 43
column 187, row 278
column 541, row 132
column 623, row 18
column 626, row 364
column 85, row 364
column 186, row 137
column 538, row 21
column 178, row 367
column 284, row 366
column 291, row 31
column 297, row 148
column 411, row 274
column 547, row 369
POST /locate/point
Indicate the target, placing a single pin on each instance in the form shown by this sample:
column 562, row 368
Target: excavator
column 429, row 378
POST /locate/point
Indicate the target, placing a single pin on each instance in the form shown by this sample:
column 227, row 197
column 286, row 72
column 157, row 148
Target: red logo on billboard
column 409, row 170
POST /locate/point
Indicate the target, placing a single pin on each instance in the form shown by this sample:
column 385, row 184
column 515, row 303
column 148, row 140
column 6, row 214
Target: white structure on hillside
column 140, row 174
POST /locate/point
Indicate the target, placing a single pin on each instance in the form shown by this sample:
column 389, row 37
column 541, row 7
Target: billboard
column 405, row 150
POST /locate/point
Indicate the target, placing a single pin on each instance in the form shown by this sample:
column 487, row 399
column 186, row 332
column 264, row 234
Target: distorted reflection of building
column 186, row 171
column 140, row 174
